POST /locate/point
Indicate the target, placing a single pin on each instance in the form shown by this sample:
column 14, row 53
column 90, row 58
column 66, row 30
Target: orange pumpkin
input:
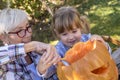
column 88, row 61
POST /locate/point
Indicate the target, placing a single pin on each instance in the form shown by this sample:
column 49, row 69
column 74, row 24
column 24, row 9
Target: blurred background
column 103, row 15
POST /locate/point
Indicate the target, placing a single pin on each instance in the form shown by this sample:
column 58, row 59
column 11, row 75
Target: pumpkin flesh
column 88, row 61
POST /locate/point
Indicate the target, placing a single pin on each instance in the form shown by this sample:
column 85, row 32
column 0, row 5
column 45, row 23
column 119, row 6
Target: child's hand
column 99, row 38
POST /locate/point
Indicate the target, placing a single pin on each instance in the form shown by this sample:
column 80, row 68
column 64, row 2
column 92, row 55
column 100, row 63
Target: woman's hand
column 48, row 58
column 38, row 47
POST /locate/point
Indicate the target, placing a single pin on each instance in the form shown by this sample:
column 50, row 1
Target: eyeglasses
column 22, row 33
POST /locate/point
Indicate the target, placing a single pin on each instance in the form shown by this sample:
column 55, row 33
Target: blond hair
column 66, row 18
column 86, row 24
column 10, row 19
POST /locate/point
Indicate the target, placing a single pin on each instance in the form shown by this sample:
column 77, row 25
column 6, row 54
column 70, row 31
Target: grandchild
column 67, row 26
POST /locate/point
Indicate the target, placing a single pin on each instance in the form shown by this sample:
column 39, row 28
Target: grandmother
column 21, row 58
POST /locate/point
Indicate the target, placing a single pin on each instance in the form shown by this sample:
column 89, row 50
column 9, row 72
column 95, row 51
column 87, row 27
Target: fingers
column 96, row 37
column 40, row 47
column 48, row 59
column 55, row 60
column 49, row 53
column 43, row 58
column 43, row 64
column 51, row 58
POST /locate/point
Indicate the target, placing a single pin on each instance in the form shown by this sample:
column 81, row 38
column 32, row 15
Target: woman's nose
column 28, row 34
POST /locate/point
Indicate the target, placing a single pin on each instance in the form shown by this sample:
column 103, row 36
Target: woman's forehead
column 22, row 25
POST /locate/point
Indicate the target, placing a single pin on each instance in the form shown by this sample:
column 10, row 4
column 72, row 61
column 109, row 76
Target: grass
column 105, row 20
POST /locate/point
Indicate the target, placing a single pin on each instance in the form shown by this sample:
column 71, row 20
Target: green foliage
column 40, row 18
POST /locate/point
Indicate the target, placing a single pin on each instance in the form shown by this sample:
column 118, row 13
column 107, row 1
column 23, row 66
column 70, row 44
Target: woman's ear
column 2, row 37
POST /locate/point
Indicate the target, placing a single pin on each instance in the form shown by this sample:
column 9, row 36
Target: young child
column 67, row 26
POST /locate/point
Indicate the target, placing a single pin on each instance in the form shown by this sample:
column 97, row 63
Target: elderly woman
column 21, row 58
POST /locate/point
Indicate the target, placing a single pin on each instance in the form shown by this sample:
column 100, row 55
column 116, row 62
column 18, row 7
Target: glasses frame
column 27, row 29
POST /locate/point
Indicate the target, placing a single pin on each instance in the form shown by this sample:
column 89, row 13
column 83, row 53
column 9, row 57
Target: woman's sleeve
column 9, row 53
column 49, row 74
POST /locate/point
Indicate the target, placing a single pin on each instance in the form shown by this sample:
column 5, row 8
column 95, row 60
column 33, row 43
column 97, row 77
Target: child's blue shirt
column 61, row 48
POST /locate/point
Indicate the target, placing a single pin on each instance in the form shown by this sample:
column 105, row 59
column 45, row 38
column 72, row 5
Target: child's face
column 69, row 38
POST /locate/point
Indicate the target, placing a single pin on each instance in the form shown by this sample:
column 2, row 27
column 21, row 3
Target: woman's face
column 69, row 38
column 21, row 34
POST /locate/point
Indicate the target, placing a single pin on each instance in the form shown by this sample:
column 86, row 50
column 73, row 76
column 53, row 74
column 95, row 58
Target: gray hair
column 10, row 19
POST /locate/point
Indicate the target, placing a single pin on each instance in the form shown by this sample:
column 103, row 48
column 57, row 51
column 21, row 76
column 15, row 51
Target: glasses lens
column 22, row 33
column 29, row 29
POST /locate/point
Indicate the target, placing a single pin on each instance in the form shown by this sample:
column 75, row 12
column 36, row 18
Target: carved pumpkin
column 88, row 61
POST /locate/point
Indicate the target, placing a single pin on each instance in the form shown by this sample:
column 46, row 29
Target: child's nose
column 71, row 36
